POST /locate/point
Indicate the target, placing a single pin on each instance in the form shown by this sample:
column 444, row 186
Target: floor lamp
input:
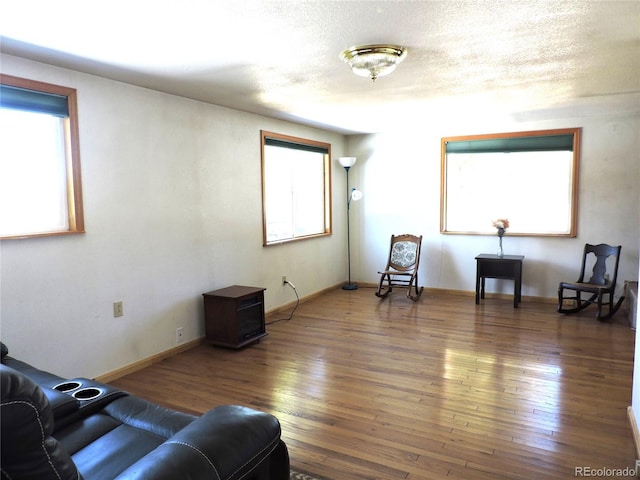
column 355, row 195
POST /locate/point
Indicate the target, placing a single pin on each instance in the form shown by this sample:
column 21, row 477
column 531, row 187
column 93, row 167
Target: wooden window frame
column 492, row 189
column 75, row 209
column 297, row 142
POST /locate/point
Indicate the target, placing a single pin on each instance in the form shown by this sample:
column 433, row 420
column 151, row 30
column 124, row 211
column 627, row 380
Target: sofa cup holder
column 88, row 393
column 69, row 386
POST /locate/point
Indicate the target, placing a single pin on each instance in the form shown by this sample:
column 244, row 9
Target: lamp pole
column 349, row 285
column 347, row 163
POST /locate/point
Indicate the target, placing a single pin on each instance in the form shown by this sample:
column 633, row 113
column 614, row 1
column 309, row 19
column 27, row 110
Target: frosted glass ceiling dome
column 373, row 61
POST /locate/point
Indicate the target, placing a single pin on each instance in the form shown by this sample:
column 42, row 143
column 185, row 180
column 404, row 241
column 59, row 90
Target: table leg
column 517, row 285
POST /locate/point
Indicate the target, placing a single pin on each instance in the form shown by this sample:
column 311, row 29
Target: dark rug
column 301, row 476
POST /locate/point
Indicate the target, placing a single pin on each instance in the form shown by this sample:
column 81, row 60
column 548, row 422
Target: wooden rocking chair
column 599, row 285
column 402, row 267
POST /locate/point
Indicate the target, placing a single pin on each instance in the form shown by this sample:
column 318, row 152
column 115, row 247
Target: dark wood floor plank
column 439, row 389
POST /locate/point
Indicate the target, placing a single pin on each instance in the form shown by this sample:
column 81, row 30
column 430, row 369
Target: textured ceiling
column 281, row 58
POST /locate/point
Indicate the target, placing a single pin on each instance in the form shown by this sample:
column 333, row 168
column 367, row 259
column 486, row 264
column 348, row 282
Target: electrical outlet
column 118, row 309
column 284, row 279
column 179, row 335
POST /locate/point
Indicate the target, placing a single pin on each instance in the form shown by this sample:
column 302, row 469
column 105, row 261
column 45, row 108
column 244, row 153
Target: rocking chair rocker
column 597, row 286
column 402, row 267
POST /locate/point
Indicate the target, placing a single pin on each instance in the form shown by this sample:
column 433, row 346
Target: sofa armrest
column 226, row 443
column 61, row 403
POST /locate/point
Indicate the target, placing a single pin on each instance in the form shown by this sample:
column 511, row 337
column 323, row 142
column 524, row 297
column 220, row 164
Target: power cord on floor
column 294, row 308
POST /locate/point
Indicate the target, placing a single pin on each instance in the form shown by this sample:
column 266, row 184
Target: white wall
column 173, row 209
column 399, row 173
column 172, row 201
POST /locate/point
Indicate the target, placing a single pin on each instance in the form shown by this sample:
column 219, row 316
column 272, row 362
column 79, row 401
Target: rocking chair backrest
column 404, row 254
column 600, row 287
column 601, row 252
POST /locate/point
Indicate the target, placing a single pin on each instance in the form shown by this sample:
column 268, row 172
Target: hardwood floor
column 443, row 389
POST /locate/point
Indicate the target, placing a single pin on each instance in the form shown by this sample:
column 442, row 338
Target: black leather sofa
column 63, row 429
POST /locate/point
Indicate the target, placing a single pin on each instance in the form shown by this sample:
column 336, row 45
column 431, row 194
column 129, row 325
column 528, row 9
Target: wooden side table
column 505, row 267
column 234, row 316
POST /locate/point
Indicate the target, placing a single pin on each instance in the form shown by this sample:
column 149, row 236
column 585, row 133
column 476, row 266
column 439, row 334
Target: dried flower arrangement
column 501, row 224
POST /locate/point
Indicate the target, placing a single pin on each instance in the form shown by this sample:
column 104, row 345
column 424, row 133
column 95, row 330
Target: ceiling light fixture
column 373, row 61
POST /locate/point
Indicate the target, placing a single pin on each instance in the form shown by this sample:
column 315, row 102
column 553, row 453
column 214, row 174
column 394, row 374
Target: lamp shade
column 347, row 162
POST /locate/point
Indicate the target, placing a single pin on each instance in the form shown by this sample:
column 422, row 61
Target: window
column 40, row 187
column 296, row 188
column 530, row 178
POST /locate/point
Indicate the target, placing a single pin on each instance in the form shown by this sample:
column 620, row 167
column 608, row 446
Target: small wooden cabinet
column 234, row 316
